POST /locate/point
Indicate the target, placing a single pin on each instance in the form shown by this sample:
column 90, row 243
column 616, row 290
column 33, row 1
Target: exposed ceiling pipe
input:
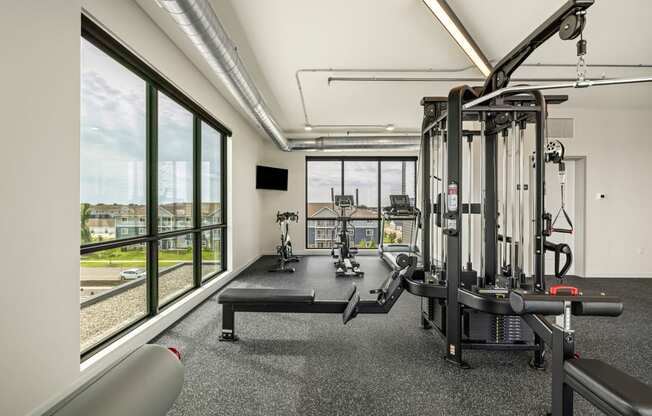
column 407, row 143
column 440, row 79
column 199, row 22
column 302, row 98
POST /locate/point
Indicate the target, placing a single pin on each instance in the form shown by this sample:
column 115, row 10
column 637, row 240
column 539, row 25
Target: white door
column 553, row 203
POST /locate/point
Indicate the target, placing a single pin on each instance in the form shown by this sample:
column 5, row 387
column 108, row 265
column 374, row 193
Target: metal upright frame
column 498, row 115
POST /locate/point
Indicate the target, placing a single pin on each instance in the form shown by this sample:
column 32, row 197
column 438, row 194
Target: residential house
column 126, row 221
column 322, row 222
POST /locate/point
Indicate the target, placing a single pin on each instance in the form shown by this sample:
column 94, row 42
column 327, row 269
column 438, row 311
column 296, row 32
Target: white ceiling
column 276, row 38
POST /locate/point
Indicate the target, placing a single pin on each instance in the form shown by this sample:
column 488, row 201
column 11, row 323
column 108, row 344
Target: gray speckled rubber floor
column 299, row 364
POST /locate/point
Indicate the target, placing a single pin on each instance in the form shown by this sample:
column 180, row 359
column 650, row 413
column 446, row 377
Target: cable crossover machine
column 503, row 301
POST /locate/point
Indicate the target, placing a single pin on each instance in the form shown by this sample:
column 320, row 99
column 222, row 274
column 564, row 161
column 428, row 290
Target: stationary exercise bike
column 345, row 266
column 284, row 250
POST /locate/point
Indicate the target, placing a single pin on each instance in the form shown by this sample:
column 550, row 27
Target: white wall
column 39, row 188
column 618, row 149
column 39, row 301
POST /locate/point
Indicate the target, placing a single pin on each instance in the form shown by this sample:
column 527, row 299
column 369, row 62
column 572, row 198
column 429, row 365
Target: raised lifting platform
column 303, row 300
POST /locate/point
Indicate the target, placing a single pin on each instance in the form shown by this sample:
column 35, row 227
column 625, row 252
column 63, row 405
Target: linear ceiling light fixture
column 452, row 24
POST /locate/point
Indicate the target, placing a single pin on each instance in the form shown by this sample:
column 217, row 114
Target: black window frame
column 342, row 159
column 155, row 82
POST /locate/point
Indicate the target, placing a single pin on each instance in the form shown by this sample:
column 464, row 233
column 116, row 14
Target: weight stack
column 496, row 329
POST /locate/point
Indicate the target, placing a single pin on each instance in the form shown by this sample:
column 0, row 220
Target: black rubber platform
column 301, row 364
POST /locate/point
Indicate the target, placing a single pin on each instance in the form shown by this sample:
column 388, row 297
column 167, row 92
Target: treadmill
column 409, row 217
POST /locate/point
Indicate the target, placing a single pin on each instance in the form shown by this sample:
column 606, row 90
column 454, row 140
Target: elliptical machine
column 284, row 250
column 345, row 266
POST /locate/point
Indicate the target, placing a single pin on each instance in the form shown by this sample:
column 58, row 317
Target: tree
column 390, row 237
column 85, row 215
column 372, row 244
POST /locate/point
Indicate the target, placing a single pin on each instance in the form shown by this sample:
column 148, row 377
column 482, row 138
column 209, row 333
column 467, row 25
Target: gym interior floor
column 300, row 364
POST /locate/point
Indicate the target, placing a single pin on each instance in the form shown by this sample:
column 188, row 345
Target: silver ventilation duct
column 199, row 22
column 406, row 143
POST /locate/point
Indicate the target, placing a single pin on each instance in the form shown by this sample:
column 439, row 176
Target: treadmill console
column 344, row 201
column 400, row 206
column 400, row 202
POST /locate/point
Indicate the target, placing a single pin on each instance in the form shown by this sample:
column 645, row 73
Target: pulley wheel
column 571, row 26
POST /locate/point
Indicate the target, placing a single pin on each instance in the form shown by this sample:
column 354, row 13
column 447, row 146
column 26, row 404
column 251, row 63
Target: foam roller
column 146, row 383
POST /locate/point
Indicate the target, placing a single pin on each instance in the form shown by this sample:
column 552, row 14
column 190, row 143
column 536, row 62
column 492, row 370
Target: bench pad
column 622, row 392
column 254, row 295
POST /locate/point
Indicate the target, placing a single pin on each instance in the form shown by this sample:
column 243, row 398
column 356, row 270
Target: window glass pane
column 175, row 156
column 400, row 232
column 361, row 181
column 320, row 233
column 174, row 267
column 323, row 176
column 397, row 177
column 112, row 148
column 113, row 292
column 365, row 233
column 211, row 180
column 211, row 253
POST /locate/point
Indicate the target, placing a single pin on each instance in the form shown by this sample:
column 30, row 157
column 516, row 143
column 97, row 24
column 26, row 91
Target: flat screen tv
column 271, row 178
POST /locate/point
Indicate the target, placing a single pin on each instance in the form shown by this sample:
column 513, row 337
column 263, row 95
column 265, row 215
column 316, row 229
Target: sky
column 113, row 124
column 361, row 175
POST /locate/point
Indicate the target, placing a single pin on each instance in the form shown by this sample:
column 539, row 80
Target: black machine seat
column 253, row 295
column 613, row 391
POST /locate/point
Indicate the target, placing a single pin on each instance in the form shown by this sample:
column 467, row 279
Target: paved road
column 101, row 273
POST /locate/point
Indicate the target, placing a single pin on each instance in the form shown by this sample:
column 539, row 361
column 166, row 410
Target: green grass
column 136, row 258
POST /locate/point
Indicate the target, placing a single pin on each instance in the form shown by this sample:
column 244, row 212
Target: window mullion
column 197, row 220
column 152, row 198
column 223, row 201
column 380, row 235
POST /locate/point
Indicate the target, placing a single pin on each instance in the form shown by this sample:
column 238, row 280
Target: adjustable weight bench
column 607, row 388
column 303, row 300
column 604, row 386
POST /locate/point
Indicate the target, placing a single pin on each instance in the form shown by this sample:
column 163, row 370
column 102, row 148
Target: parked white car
column 131, row 274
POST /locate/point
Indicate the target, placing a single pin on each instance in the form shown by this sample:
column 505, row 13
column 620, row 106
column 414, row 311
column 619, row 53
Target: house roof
column 101, row 222
column 209, row 209
column 325, row 210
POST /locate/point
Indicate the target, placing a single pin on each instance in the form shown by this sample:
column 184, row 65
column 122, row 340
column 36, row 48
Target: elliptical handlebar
column 559, row 249
column 287, row 216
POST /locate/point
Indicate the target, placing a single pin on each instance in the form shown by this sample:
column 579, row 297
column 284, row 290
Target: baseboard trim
column 117, row 351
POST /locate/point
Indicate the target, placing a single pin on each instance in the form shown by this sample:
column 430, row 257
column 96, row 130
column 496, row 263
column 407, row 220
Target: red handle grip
column 564, row 290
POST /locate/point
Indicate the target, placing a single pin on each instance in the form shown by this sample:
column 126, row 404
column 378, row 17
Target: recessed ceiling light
column 445, row 15
column 307, row 127
column 389, row 127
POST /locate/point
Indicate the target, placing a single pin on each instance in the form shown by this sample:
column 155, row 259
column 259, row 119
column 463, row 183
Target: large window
column 370, row 181
column 175, row 152
column 151, row 192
